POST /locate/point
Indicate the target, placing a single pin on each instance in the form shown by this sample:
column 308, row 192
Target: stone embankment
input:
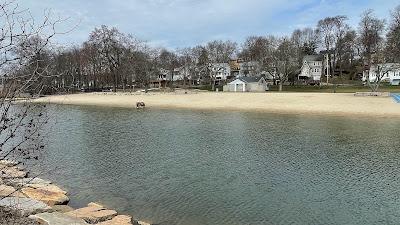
column 44, row 202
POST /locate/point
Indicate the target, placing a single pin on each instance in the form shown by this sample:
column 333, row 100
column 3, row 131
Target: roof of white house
column 247, row 80
column 309, row 58
column 394, row 66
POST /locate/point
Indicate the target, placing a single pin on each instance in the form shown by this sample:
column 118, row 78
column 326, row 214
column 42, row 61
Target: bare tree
column 258, row 49
column 380, row 68
column 393, row 37
column 283, row 62
column 348, row 49
column 341, row 29
column 169, row 61
column 326, row 29
column 111, row 46
column 306, row 41
column 202, row 62
column 187, row 59
column 370, row 38
column 25, row 67
column 221, row 51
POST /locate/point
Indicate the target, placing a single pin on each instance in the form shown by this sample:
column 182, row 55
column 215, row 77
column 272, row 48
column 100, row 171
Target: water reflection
column 190, row 167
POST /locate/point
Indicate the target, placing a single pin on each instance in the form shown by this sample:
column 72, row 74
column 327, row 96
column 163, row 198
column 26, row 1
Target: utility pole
column 327, row 69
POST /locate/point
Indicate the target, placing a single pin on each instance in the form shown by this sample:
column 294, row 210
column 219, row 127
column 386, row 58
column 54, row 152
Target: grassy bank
column 337, row 89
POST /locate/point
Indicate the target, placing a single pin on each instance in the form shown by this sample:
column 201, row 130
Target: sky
column 183, row 23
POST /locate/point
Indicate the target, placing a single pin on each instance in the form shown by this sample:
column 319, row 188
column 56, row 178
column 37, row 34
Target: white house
column 388, row 72
column 312, row 68
column 247, row 84
column 221, row 70
column 163, row 75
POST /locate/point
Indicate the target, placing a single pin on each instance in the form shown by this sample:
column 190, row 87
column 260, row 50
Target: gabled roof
column 309, row 58
column 249, row 79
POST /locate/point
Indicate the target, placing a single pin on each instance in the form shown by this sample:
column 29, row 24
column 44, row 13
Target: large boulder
column 47, row 196
column 118, row 220
column 47, row 187
column 8, row 163
column 8, row 191
column 12, row 172
column 26, row 206
column 93, row 213
column 57, row 218
column 62, row 208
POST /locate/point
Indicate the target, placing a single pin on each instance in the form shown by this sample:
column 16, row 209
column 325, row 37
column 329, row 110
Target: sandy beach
column 291, row 103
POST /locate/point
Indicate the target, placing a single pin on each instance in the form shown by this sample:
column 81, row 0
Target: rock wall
column 46, row 203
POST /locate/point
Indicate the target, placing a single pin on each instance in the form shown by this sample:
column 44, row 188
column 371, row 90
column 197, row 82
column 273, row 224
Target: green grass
column 339, row 89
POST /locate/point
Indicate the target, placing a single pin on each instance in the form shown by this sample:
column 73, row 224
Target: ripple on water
column 192, row 168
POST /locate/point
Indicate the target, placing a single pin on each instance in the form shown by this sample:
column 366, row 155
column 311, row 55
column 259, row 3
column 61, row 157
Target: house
column 242, row 68
column 221, row 72
column 247, row 84
column 389, row 72
column 249, row 68
column 312, row 69
column 161, row 80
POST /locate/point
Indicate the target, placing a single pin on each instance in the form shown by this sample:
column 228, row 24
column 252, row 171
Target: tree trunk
column 115, row 82
column 280, row 86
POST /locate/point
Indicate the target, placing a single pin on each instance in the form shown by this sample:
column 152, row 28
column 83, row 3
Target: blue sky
column 181, row 23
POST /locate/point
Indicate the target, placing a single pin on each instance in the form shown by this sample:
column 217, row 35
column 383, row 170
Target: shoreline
column 43, row 202
column 338, row 104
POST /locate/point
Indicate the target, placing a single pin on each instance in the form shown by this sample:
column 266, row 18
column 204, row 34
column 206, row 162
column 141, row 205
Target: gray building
column 247, row 84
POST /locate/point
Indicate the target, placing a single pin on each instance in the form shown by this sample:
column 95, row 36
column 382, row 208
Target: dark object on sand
column 140, row 105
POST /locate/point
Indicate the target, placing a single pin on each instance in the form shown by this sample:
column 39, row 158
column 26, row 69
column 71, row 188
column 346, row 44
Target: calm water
column 229, row 168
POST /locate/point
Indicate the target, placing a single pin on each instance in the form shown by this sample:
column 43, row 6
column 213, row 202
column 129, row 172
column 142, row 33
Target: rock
column 47, row 187
column 57, row 218
column 118, row 220
column 26, row 206
column 49, row 197
column 8, row 191
column 95, row 204
column 12, row 172
column 62, row 208
column 8, row 163
column 93, row 214
column 143, row 223
column 24, row 181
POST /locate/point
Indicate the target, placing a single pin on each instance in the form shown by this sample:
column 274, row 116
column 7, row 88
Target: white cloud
column 177, row 23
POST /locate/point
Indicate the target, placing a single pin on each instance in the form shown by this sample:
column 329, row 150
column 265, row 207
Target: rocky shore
column 39, row 201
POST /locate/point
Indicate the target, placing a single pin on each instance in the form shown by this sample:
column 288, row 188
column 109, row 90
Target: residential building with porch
column 312, row 69
column 221, row 72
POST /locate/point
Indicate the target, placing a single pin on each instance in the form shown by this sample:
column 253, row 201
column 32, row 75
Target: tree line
column 115, row 60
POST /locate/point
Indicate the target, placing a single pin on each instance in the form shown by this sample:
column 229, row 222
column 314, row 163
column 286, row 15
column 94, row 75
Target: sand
column 288, row 103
